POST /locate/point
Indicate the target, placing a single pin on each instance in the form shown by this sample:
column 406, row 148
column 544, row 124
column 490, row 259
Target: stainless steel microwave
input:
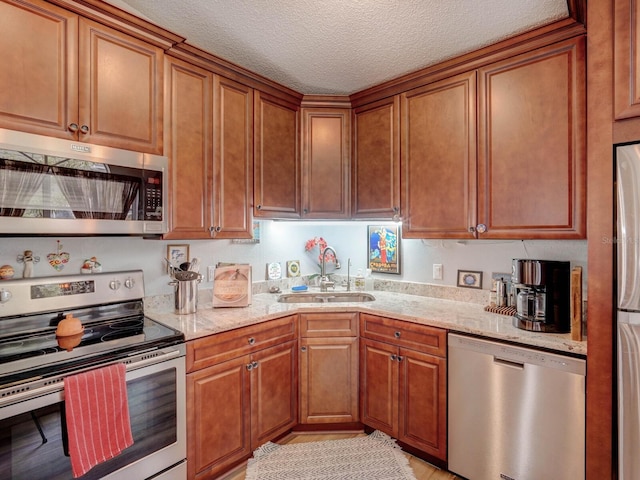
column 51, row 186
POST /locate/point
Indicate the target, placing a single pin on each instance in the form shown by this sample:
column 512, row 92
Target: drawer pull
column 400, row 358
column 397, row 334
column 251, row 340
column 394, row 357
column 303, row 349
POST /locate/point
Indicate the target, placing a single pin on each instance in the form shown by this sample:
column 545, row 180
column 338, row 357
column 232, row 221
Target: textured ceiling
column 343, row 46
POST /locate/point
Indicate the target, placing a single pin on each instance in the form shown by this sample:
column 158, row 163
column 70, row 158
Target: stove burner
column 97, row 337
column 127, row 324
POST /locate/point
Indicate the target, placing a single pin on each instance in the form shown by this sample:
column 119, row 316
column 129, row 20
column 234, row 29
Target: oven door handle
column 135, row 361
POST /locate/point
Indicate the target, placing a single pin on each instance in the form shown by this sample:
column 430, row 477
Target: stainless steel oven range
column 33, row 432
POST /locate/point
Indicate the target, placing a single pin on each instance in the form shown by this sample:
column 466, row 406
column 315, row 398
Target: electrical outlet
column 437, row 271
column 210, row 271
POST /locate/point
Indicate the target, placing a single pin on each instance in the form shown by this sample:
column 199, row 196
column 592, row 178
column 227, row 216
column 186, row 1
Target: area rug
column 374, row 457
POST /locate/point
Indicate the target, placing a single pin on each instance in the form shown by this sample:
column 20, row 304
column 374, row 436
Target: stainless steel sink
column 325, row 297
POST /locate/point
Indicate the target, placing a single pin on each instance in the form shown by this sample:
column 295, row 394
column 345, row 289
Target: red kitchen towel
column 97, row 416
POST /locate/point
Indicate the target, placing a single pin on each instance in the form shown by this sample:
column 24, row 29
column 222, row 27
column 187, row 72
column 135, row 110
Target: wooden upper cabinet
column 531, row 157
column 188, row 143
column 326, row 136
column 276, row 188
column 120, row 89
column 73, row 78
column 439, row 159
column 375, row 170
column 626, row 59
column 39, row 75
column 233, row 159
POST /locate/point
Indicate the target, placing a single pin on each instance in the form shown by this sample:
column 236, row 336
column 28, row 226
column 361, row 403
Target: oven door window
column 33, row 444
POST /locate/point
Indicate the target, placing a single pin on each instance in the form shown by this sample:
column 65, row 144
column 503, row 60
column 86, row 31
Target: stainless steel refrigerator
column 628, row 318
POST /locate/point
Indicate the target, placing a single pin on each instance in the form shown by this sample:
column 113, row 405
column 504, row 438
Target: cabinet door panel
column 219, row 405
column 329, row 380
column 120, row 89
column 328, row 324
column 531, row 172
column 422, row 416
column 277, row 162
column 39, row 74
column 439, row 159
column 274, row 392
column 376, row 160
column 627, row 59
column 379, row 386
column 188, row 131
column 325, row 162
column 233, row 189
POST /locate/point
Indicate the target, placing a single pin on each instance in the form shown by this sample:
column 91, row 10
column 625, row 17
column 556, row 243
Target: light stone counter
column 449, row 314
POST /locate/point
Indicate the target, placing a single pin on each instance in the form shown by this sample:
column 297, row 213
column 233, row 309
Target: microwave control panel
column 152, row 195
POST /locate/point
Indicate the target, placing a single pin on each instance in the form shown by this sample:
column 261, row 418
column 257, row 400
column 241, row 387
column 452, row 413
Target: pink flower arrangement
column 321, row 243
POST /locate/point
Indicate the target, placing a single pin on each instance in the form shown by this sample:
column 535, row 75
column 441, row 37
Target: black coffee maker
column 542, row 295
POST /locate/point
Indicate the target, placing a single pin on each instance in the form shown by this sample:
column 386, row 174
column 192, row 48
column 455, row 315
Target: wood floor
column 421, row 469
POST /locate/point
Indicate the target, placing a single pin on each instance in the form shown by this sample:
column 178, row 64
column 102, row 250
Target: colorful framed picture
column 177, row 254
column 469, row 279
column 383, row 244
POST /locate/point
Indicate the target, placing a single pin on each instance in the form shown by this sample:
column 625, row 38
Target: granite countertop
column 449, row 314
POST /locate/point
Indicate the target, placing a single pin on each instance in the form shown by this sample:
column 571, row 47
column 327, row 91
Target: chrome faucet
column 325, row 283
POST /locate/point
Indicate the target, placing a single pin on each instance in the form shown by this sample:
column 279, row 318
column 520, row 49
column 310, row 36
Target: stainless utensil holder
column 186, row 295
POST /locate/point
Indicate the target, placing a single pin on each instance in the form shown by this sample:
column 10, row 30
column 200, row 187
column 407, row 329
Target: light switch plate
column 437, row 271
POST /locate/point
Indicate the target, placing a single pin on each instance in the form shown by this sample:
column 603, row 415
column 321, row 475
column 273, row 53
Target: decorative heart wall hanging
column 57, row 260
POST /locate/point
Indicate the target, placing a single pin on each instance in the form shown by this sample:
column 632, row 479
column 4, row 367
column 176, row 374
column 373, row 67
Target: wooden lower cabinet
column 237, row 405
column 328, row 368
column 403, row 393
column 329, row 380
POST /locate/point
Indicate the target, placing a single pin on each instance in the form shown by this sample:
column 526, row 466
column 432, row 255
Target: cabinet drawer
column 213, row 349
column 328, row 324
column 405, row 334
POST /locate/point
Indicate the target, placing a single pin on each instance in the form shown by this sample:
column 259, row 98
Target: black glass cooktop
column 97, row 336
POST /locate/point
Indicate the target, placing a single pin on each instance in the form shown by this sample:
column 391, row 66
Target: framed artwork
column 293, row 268
column 255, row 234
column 469, row 279
column 177, row 254
column 383, row 244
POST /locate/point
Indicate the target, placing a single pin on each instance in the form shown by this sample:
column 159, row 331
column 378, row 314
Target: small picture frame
column 469, row 279
column 383, row 248
column 177, row 254
column 293, row 268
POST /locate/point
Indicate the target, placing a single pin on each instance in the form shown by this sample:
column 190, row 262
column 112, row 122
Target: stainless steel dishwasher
column 514, row 413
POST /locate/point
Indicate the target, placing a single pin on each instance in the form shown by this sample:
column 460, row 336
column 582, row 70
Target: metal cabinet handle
column 251, row 340
column 255, row 364
column 259, row 207
column 481, row 228
column 472, row 229
column 305, row 210
column 397, row 334
column 400, row 358
column 249, row 366
column 217, row 228
column 396, row 214
column 393, row 357
column 84, row 129
column 73, row 127
column 303, row 349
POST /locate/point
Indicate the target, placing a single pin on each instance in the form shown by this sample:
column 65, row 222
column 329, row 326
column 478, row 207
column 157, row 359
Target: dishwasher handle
column 508, row 363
